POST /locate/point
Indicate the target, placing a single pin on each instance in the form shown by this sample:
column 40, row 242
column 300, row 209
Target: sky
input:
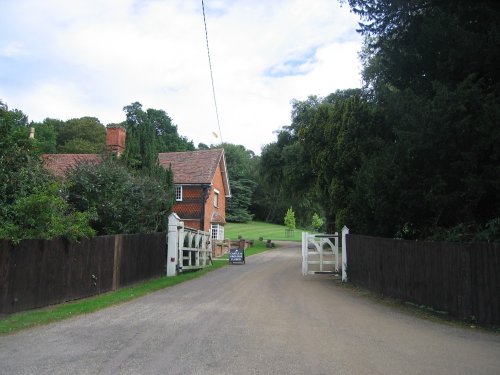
column 68, row 59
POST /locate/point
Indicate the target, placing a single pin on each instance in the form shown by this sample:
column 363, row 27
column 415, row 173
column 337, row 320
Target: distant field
column 255, row 229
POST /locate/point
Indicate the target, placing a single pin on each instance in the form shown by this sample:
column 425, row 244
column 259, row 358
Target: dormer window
column 178, row 193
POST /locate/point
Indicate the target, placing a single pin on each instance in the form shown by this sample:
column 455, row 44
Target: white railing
column 188, row 249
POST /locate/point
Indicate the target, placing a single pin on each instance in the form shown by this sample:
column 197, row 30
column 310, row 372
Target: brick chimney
column 115, row 139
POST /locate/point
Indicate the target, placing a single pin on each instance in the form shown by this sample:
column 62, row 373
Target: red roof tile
column 196, row 167
column 60, row 164
column 192, row 167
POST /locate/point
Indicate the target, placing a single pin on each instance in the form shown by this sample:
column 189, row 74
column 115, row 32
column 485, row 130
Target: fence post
column 117, row 260
column 336, row 246
column 172, row 244
column 345, row 231
column 304, row 253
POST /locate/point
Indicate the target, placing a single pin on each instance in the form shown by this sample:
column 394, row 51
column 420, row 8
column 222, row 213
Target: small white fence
column 320, row 253
column 187, row 248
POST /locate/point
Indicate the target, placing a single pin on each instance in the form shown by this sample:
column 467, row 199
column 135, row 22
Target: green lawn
column 255, row 229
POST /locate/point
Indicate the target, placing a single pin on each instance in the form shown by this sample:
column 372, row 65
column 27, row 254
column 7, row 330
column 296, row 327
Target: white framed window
column 216, row 198
column 217, row 232
column 178, row 193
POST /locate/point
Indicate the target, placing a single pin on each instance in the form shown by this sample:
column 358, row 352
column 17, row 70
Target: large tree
column 285, row 178
column 148, row 133
column 32, row 204
column 431, row 67
column 241, row 169
column 81, row 135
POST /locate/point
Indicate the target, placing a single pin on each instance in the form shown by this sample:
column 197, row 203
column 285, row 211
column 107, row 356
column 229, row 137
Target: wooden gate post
column 345, row 231
column 173, row 244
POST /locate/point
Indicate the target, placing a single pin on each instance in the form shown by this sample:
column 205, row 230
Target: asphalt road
column 260, row 318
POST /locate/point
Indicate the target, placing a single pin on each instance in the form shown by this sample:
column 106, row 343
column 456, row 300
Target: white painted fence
column 187, row 248
column 320, row 253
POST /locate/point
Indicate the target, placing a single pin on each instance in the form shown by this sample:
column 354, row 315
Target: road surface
column 260, row 318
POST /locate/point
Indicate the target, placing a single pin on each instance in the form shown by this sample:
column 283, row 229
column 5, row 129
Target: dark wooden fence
column 461, row 279
column 38, row 273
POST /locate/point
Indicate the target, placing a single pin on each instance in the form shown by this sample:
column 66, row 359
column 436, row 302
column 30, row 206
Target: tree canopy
column 412, row 154
column 127, row 195
column 240, row 166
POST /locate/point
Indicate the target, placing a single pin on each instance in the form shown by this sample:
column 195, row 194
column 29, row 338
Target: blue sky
column 79, row 58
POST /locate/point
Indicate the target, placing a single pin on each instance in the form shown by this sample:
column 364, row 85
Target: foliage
column 414, row 154
column 316, row 222
column 121, row 201
column 342, row 133
column 148, row 133
column 289, row 219
column 46, row 135
column 45, row 215
column 81, row 135
column 431, row 66
column 130, row 197
column 85, row 135
column 284, row 176
column 240, row 166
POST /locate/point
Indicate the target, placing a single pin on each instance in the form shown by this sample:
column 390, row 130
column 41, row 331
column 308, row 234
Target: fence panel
column 143, row 257
column 461, row 279
column 39, row 273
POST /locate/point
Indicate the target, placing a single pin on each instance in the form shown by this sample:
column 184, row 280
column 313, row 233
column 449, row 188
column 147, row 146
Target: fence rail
column 460, row 279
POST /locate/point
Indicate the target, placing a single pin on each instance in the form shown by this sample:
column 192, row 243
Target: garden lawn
column 253, row 230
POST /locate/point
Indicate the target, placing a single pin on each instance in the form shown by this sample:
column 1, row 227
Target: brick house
column 200, row 178
column 201, row 188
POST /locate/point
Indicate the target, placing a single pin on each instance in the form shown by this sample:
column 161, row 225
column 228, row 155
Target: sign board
column 236, row 256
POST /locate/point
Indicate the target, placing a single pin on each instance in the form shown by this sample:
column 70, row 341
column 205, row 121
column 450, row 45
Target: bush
column 45, row 215
column 122, row 202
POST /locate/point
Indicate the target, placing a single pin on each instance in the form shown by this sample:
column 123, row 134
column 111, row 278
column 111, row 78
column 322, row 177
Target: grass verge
column 256, row 229
column 32, row 318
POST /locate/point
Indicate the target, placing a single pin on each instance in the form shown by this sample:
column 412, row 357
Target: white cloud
column 94, row 57
column 12, row 49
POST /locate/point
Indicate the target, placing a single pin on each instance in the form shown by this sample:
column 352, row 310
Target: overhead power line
column 211, row 73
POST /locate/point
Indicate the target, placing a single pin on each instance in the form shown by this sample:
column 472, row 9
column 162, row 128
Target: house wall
column 218, row 184
column 189, row 209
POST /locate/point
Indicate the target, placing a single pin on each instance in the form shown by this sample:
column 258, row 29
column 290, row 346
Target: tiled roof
column 189, row 167
column 192, row 167
column 60, row 164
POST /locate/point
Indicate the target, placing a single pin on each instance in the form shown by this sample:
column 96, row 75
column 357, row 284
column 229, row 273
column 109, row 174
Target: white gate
column 187, row 248
column 320, row 253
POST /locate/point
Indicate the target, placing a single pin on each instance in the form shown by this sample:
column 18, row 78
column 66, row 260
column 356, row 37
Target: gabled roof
column 60, row 164
column 196, row 167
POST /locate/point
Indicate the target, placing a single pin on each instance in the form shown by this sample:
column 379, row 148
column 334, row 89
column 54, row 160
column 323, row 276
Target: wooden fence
column 38, row 273
column 461, row 279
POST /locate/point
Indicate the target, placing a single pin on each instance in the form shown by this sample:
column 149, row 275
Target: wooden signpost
column 236, row 256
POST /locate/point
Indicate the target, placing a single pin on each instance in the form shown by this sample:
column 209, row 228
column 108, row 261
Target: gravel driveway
column 260, row 318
